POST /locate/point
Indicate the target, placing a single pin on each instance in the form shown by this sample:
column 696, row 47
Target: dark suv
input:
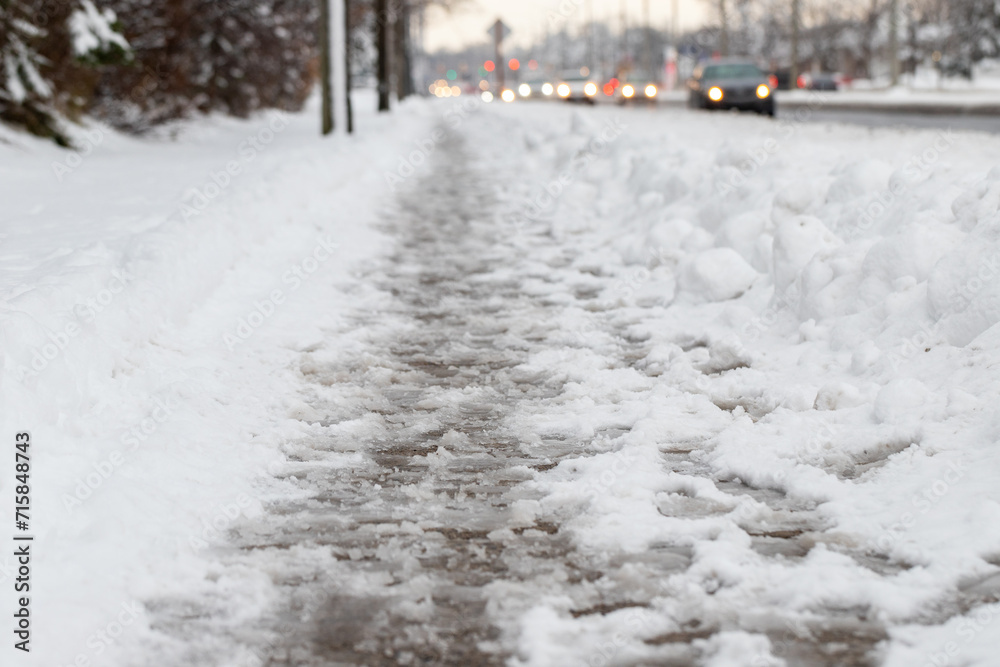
column 733, row 84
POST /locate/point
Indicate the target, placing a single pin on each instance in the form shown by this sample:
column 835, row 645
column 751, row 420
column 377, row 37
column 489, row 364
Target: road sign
column 498, row 28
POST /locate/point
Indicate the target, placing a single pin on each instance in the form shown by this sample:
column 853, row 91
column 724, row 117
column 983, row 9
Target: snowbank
column 814, row 310
column 156, row 296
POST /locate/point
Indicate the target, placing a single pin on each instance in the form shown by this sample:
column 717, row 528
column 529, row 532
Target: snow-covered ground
column 745, row 370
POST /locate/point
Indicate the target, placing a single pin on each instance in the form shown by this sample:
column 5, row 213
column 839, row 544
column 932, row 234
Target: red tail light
column 772, row 82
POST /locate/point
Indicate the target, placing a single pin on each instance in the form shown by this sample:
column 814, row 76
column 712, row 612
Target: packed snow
column 744, row 371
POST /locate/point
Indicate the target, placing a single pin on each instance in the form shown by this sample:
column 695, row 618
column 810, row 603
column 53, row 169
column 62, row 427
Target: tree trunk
column 326, row 66
column 382, row 27
column 404, row 63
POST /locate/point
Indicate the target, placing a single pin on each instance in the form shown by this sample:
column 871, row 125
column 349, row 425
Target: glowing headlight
column 650, row 90
column 507, row 95
column 524, row 90
column 487, row 96
column 563, row 90
column 628, row 90
column 763, row 91
column 590, row 89
column 547, row 89
column 715, row 93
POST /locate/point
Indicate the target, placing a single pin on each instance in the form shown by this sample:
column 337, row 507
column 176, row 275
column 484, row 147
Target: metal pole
column 347, row 65
column 794, row 70
column 894, row 42
column 325, row 67
column 648, row 55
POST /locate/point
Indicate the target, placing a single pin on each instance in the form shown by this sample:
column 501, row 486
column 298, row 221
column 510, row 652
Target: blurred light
column 482, row 71
column 532, row 64
column 650, row 90
column 489, row 66
column 715, row 93
column 801, row 82
column 628, row 90
column 455, row 91
column 547, row 89
column 507, row 95
column 936, row 56
column 584, row 71
column 514, row 64
column 440, row 83
column 524, row 90
column 763, row 91
column 590, row 89
column 445, row 92
column 484, row 85
column 451, row 75
column 609, row 90
column 615, row 82
column 563, row 90
column 772, row 81
column 487, row 96
column 432, row 88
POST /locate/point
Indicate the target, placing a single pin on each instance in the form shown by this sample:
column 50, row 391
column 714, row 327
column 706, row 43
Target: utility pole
column 593, row 36
column 382, row 45
column 724, row 31
column 648, row 48
column 623, row 9
column 325, row 67
column 794, row 71
column 347, row 65
column 675, row 18
column 894, row 42
column 501, row 66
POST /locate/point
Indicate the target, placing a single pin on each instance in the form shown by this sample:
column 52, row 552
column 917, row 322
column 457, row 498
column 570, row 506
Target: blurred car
column 731, row 84
column 536, row 88
column 819, row 81
column 636, row 87
column 576, row 86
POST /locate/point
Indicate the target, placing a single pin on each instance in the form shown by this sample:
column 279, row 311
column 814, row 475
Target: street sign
column 498, row 28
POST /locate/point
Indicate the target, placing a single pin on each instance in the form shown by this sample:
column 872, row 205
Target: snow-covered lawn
column 777, row 344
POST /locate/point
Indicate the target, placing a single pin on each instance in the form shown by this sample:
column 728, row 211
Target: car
column 577, row 86
column 819, row 81
column 635, row 87
column 536, row 88
column 731, row 84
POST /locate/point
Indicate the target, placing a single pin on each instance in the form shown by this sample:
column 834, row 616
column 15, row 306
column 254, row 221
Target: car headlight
column 628, row 90
column 524, row 90
column 763, row 91
column 507, row 95
column 547, row 89
column 563, row 90
column 590, row 89
column 650, row 90
column 715, row 93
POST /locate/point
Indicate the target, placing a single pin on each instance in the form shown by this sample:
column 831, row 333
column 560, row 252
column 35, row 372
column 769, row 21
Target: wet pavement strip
column 416, row 552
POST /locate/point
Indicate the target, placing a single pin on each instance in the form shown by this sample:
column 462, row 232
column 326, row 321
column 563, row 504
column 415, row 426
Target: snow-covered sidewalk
column 741, row 372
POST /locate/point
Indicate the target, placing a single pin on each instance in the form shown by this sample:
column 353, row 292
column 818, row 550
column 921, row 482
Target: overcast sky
column 529, row 18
